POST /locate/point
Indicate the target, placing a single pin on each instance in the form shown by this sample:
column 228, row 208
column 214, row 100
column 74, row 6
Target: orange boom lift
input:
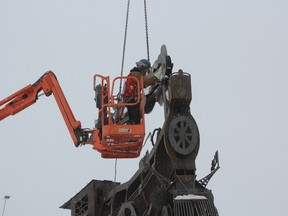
column 111, row 136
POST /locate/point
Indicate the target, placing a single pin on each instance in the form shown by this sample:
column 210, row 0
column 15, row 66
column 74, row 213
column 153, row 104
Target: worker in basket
column 130, row 89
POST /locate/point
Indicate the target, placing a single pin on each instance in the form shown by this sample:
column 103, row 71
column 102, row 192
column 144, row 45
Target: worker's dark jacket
column 130, row 93
column 131, row 84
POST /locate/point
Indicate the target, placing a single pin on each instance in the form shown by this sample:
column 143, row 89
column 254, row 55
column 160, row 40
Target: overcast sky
column 235, row 51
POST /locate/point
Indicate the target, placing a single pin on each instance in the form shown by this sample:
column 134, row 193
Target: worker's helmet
column 143, row 65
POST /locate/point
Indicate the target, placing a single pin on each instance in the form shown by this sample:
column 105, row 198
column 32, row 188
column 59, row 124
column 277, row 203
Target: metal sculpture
column 165, row 183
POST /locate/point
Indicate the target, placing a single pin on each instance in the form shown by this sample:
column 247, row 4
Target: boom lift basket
column 118, row 139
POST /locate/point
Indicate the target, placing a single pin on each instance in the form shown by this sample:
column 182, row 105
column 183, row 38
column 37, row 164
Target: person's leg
column 134, row 114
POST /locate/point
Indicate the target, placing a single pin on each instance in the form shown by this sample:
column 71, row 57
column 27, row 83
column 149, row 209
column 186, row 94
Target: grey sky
column 235, row 51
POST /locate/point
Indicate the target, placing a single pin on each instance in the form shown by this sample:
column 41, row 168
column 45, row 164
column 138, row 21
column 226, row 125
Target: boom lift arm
column 28, row 95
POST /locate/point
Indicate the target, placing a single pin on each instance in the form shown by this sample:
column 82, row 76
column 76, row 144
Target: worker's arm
column 148, row 81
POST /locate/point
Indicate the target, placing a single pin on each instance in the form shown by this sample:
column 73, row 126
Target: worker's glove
column 158, row 73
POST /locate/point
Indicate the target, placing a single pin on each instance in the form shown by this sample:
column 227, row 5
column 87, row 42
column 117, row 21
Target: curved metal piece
column 183, row 135
column 127, row 209
column 160, row 64
column 167, row 211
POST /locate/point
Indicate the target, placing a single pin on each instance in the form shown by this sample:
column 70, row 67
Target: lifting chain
column 124, row 45
column 146, row 29
column 125, row 37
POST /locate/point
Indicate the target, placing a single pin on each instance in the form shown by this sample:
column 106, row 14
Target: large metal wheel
column 183, row 134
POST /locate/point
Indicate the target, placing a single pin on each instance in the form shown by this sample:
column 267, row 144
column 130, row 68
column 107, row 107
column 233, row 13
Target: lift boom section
column 29, row 95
